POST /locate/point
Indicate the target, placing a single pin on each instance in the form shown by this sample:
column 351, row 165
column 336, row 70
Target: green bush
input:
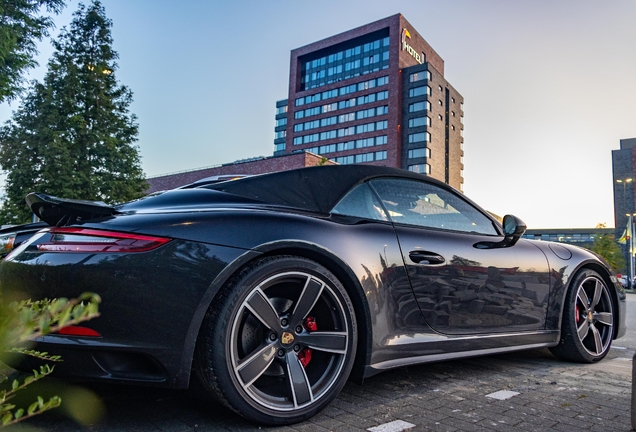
column 22, row 322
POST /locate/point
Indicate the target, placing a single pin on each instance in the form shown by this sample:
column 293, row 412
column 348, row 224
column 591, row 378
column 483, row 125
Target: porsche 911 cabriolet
column 273, row 290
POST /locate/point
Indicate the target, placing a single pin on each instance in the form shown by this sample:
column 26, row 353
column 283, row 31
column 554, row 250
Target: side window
column 361, row 202
column 419, row 203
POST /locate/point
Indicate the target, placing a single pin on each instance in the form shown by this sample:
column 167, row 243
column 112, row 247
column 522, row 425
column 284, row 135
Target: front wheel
column 278, row 343
column 588, row 320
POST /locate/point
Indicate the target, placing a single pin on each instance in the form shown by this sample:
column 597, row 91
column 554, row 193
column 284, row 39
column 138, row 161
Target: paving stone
column 446, row 396
column 464, row 425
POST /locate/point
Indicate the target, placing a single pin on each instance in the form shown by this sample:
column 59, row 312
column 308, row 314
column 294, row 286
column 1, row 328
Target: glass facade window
column 329, row 107
column 420, row 106
column 349, row 145
column 327, row 135
column 279, row 147
column 342, row 118
column 419, row 153
column 329, row 121
column 281, row 134
column 362, row 59
column 341, row 91
column 306, row 126
column 338, row 133
column 281, row 122
column 360, row 158
column 347, row 131
column 281, row 110
column 419, row 91
column 382, row 139
column 344, row 160
column 419, row 121
column 419, row 76
column 420, row 137
column 420, row 168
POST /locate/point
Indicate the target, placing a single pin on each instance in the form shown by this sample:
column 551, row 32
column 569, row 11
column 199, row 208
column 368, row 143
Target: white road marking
column 502, row 394
column 394, row 426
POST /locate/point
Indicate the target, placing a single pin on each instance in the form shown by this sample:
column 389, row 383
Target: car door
column 461, row 285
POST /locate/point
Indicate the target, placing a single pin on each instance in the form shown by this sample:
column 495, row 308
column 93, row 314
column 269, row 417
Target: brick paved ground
column 449, row 396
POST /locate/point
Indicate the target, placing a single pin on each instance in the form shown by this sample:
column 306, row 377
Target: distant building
column 375, row 94
column 624, row 175
column 583, row 237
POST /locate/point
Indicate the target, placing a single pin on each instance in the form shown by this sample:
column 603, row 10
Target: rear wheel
column 279, row 342
column 588, row 320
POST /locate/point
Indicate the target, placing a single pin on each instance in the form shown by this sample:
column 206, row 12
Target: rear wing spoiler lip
column 59, row 211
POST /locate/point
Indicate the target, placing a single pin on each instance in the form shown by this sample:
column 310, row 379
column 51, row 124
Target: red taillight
column 91, row 240
column 78, row 331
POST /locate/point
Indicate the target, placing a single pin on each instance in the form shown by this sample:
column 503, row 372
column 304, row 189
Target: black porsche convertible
column 273, row 290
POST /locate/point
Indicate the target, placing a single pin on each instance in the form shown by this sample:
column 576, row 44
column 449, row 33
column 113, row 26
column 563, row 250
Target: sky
column 549, row 87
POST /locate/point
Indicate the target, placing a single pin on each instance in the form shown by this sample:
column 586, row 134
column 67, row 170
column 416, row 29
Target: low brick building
column 249, row 166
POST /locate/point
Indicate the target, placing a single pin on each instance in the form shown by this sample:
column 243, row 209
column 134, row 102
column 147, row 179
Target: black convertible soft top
column 316, row 189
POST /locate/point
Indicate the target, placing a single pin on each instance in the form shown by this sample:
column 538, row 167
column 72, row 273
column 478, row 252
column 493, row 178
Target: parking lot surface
column 525, row 391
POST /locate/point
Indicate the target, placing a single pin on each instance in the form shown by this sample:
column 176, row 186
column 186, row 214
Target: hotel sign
column 408, row 48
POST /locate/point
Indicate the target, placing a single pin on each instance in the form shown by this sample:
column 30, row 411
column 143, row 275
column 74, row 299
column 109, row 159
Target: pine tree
column 74, row 136
column 22, row 24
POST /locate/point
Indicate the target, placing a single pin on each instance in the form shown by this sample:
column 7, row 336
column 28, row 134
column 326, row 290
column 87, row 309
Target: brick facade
column 250, row 167
column 446, row 143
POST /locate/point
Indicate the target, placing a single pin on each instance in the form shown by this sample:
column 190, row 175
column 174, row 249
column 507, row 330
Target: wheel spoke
column 301, row 389
column 604, row 318
column 598, row 343
column 334, row 342
column 307, row 300
column 259, row 305
column 583, row 329
column 598, row 290
column 253, row 367
column 583, row 299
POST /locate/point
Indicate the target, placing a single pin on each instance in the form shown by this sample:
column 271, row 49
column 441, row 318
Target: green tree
column 73, row 135
column 605, row 246
column 22, row 24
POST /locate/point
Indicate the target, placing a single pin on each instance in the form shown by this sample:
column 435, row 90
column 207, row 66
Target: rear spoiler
column 61, row 211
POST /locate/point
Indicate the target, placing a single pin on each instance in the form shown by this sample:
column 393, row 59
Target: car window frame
column 495, row 224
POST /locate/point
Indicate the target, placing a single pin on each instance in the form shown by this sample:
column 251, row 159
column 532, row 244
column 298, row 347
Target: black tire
column 258, row 332
column 587, row 329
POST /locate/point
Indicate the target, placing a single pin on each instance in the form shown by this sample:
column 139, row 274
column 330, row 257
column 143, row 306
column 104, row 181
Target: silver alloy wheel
column 593, row 314
column 271, row 339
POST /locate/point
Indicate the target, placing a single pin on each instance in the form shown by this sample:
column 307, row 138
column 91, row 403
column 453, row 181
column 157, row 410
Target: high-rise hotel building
column 375, row 94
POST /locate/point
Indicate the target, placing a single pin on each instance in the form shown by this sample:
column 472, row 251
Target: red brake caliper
column 305, row 355
column 578, row 314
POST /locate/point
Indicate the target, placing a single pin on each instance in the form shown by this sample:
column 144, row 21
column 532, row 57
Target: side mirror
column 513, row 229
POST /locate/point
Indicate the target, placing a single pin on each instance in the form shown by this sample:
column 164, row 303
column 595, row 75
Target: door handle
column 424, row 257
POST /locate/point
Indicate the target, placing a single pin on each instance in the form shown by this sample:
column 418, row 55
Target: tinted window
column 419, row 203
column 361, row 202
